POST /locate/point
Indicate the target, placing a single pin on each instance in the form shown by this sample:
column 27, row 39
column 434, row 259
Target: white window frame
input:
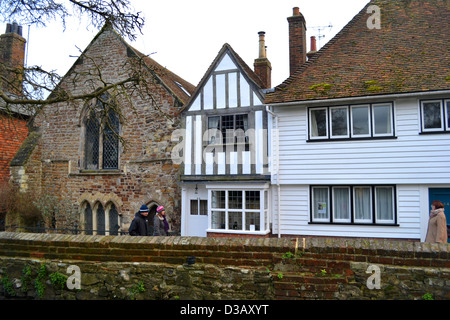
column 310, row 124
column 391, row 115
column 349, row 219
column 384, row 221
column 370, row 219
column 447, row 114
column 314, row 218
column 369, row 127
column 422, row 103
column 263, row 219
column 331, row 122
column 330, row 202
column 371, row 122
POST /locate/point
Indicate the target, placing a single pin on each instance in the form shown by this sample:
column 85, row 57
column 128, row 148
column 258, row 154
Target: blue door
column 443, row 195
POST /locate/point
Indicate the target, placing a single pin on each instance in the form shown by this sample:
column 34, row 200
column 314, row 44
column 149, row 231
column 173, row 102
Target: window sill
column 111, row 172
column 357, row 224
column 352, row 139
column 435, row 132
column 238, row 231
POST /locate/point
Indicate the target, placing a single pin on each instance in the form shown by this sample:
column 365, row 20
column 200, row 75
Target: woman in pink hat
column 160, row 224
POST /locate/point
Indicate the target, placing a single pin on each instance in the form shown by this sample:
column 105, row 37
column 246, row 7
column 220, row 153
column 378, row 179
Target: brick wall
column 13, row 132
column 230, row 268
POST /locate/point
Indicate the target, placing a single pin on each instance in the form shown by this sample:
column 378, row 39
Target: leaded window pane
column 252, row 200
column 88, row 219
column 235, row 220
column 235, row 199
column 227, row 129
column 113, row 221
column 92, row 142
column 218, row 199
column 252, row 221
column 100, row 220
column 111, row 142
column 218, row 219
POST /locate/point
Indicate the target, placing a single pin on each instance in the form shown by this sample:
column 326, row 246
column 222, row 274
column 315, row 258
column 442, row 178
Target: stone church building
column 108, row 171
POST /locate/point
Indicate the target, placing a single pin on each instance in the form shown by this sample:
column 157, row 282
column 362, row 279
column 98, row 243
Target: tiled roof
column 179, row 87
column 409, row 53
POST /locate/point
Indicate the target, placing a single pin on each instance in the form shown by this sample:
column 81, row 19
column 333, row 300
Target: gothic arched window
column 101, row 140
column 88, row 219
column 100, row 219
column 113, row 220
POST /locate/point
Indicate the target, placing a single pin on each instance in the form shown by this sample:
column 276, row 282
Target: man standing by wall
column 139, row 225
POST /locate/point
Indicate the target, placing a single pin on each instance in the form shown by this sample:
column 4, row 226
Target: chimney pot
column 313, row 44
column 263, row 68
column 297, row 40
column 262, row 45
column 313, row 50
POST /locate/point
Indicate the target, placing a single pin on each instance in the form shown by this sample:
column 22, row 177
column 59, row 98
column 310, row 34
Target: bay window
column 353, row 204
column 238, row 210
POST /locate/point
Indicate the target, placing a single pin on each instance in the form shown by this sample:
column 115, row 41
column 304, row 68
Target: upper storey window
column 101, row 141
column 351, row 122
column 435, row 115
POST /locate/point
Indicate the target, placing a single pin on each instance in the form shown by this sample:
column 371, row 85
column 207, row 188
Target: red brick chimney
column 262, row 65
column 12, row 54
column 297, row 40
column 313, row 49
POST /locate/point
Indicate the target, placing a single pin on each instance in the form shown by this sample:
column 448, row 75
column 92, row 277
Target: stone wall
column 124, row 267
column 53, row 163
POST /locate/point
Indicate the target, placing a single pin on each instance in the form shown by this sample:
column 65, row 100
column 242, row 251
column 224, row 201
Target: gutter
column 277, row 170
column 362, row 98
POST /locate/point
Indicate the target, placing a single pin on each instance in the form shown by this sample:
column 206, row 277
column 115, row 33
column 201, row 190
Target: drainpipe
column 277, row 170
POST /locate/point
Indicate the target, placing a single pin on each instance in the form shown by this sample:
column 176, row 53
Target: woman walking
column 160, row 224
column 437, row 225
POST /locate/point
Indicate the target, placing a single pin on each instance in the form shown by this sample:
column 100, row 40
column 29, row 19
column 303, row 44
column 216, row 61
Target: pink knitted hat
column 159, row 209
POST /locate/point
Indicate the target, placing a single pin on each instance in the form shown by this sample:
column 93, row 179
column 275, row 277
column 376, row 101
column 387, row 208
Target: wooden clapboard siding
column 409, row 158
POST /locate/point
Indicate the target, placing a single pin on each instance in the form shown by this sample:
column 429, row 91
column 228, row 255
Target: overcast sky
column 185, row 36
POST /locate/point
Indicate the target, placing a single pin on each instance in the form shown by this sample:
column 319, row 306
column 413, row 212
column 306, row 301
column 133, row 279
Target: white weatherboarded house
column 363, row 143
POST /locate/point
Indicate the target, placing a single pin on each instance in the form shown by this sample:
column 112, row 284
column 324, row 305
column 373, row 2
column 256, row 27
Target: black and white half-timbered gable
column 226, row 172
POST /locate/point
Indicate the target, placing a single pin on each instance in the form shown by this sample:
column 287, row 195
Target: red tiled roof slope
column 410, row 53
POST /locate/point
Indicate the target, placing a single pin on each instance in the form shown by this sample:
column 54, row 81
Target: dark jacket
column 139, row 225
column 158, row 225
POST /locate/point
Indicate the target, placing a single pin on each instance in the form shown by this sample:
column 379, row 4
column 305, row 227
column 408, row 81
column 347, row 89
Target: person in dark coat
column 160, row 224
column 139, row 225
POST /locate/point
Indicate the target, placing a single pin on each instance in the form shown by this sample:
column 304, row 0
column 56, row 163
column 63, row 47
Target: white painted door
column 197, row 218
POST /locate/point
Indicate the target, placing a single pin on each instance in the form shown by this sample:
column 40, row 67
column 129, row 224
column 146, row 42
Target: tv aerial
column 319, row 32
